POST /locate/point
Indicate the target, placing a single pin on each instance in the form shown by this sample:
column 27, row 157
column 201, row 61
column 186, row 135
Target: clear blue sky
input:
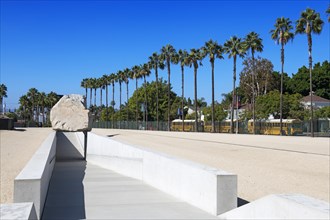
column 53, row 45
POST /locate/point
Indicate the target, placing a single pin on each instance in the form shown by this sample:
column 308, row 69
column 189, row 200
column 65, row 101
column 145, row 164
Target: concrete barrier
column 282, row 206
column 207, row 188
column 16, row 211
column 31, row 184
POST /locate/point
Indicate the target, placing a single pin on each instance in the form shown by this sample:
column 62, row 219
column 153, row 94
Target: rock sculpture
column 69, row 114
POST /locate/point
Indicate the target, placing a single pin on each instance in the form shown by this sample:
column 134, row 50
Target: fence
column 321, row 127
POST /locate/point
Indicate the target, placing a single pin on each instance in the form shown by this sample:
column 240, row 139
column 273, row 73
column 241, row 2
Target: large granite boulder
column 69, row 114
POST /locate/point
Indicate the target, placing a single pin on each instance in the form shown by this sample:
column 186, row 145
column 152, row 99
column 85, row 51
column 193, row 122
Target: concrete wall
column 212, row 190
column 16, row 211
column 31, row 184
column 282, row 206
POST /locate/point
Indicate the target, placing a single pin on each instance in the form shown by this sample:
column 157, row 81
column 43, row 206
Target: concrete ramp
column 79, row 190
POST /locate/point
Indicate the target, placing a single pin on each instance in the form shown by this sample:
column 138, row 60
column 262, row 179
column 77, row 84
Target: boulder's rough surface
column 69, row 114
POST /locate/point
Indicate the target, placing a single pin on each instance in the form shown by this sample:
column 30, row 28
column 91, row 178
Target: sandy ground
column 264, row 164
column 16, row 149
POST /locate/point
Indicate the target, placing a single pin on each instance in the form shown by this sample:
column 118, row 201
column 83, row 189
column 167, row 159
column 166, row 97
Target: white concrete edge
column 31, row 184
column 207, row 188
column 281, row 206
column 16, row 211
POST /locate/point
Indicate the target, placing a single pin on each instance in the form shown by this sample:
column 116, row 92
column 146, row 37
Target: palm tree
column 182, row 57
column 94, row 85
column 107, row 82
column 120, row 78
column 90, row 86
column 282, row 34
column 213, row 50
column 308, row 23
column 168, row 54
column 136, row 76
column 194, row 59
column 234, row 48
column 3, row 94
column 25, row 105
column 113, row 79
column 254, row 43
column 102, row 84
column 145, row 71
column 84, row 84
column 127, row 76
column 155, row 63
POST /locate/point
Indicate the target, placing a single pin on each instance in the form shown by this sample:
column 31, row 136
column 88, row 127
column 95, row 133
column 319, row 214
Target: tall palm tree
column 94, row 85
column 282, row 34
column 107, row 81
column 254, row 43
column 120, row 77
column 182, row 57
column 168, row 54
column 194, row 59
column 90, row 86
column 136, row 76
column 155, row 63
column 84, row 84
column 213, row 50
column 102, row 84
column 3, row 94
column 42, row 100
column 113, row 79
column 127, row 76
column 308, row 23
column 234, row 48
column 26, row 106
column 145, row 71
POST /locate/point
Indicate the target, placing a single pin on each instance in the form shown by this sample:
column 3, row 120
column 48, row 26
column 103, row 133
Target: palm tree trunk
column 86, row 97
column 101, row 97
column 90, row 97
column 233, row 99
column 195, row 82
column 119, row 104
column 113, row 105
column 106, row 102
column 310, row 81
column 157, row 99
column 281, row 95
column 95, row 97
column 137, row 105
column 253, row 96
column 213, row 124
column 168, row 94
column 145, row 103
column 127, row 101
column 182, row 103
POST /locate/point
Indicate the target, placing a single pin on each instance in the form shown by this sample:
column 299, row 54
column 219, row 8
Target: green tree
column 194, row 59
column 3, row 94
column 113, row 80
column 155, row 63
column 254, row 43
column 136, row 76
column 213, row 50
column 234, row 47
column 282, row 34
column 168, row 54
column 144, row 72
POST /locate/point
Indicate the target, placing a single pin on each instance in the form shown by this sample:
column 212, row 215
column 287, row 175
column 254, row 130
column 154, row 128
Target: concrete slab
column 264, row 164
column 16, row 211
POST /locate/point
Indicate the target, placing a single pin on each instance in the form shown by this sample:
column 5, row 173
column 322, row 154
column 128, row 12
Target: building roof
column 315, row 99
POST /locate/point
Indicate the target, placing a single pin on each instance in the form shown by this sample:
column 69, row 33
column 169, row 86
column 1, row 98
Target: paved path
column 79, row 190
column 264, row 164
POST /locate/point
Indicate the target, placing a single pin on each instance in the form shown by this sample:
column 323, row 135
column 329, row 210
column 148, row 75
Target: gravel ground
column 16, row 149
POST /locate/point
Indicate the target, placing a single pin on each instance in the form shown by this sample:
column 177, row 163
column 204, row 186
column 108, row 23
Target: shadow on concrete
column 112, row 135
column 241, row 202
column 65, row 198
column 65, row 149
column 19, row 129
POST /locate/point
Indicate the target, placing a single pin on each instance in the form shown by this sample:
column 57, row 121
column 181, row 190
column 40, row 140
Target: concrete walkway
column 79, row 190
